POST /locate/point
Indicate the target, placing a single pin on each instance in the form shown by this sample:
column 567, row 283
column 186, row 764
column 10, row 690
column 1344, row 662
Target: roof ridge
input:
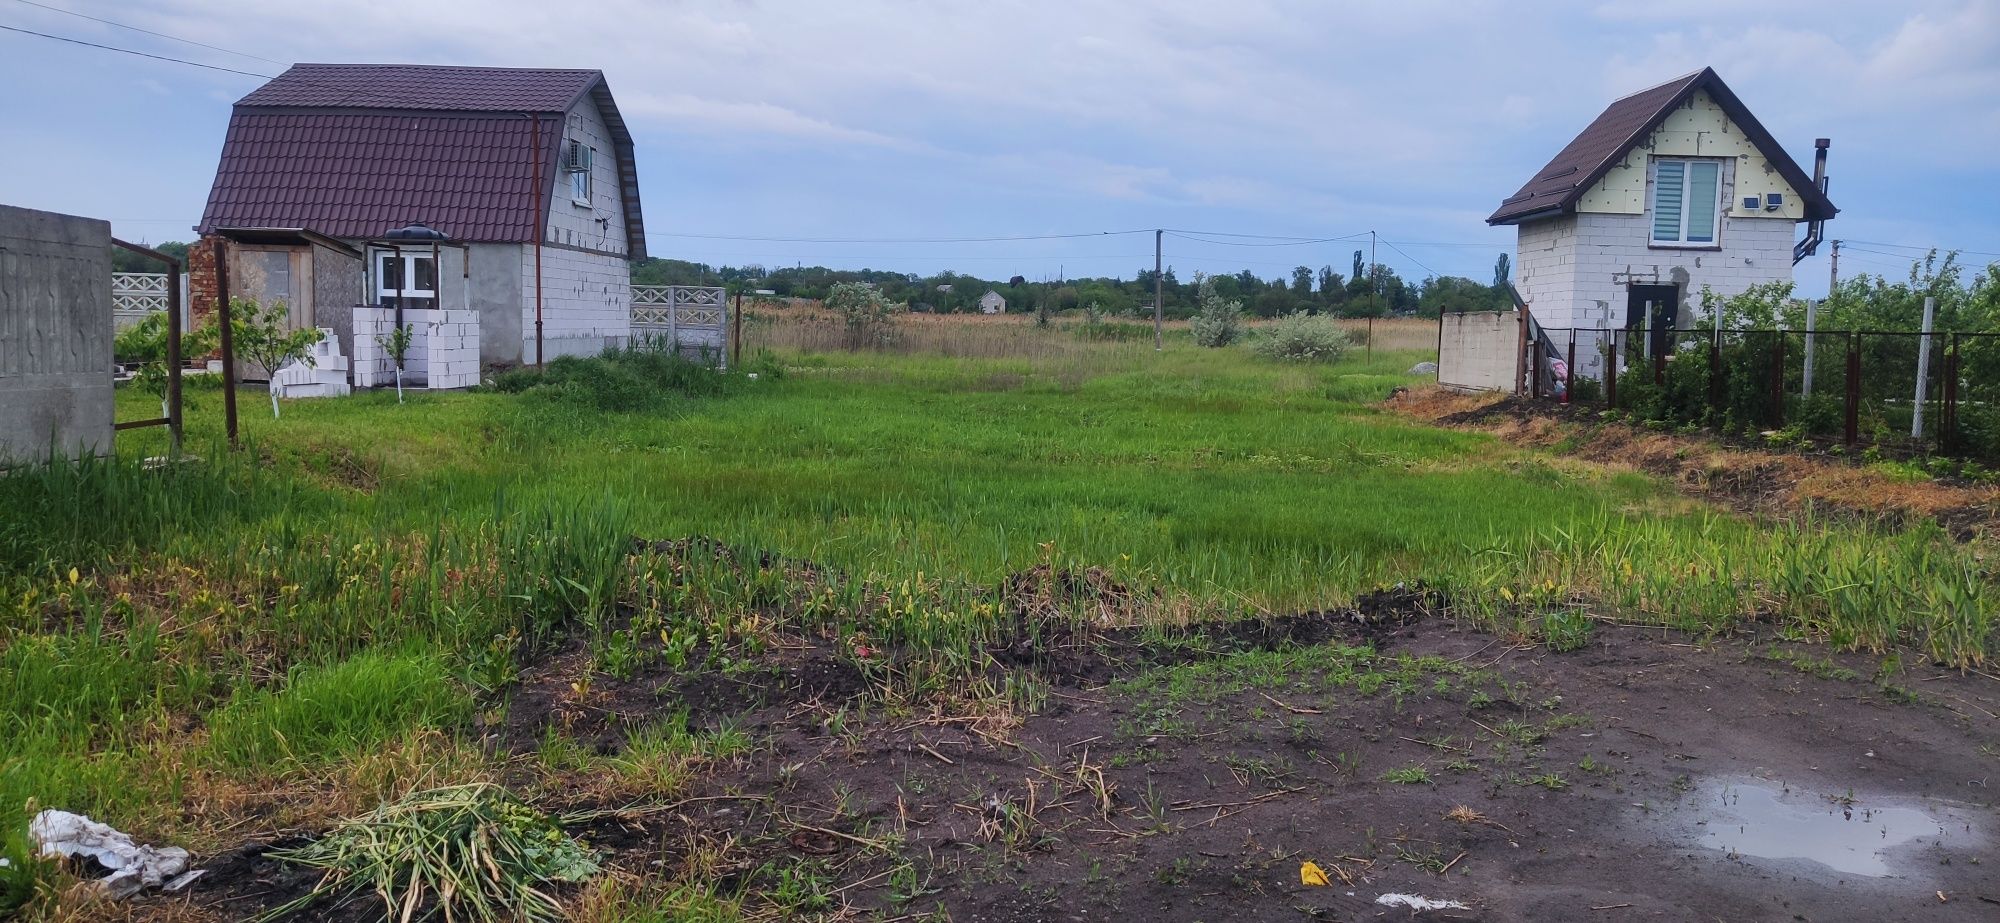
column 1690, row 75
column 460, row 67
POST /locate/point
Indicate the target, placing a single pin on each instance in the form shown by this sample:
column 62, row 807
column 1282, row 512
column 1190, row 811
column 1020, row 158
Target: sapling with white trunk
column 397, row 344
column 261, row 337
column 146, row 344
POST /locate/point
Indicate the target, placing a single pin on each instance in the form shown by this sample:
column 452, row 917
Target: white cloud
column 1417, row 115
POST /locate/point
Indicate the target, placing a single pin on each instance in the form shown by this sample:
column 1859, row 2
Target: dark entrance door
column 1657, row 309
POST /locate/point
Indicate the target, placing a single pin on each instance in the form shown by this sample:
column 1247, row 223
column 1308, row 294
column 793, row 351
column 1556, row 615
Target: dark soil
column 1581, row 777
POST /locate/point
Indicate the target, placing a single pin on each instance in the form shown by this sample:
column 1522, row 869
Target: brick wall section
column 201, row 279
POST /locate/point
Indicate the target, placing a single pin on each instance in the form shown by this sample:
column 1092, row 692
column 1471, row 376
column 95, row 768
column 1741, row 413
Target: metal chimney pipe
column 1815, row 229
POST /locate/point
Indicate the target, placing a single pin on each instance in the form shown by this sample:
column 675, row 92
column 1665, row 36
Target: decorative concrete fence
column 692, row 320
column 134, row 295
column 444, row 348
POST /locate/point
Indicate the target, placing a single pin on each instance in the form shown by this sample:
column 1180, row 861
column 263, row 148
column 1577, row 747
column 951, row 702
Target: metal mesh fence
column 1900, row 390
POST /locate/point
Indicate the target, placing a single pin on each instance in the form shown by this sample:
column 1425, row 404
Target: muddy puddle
column 1759, row 820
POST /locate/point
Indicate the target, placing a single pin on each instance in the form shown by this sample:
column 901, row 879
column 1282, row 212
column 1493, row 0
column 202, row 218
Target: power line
column 1441, row 243
column 1847, row 247
column 141, row 54
column 1412, row 259
column 1844, row 242
column 351, row 92
column 896, row 240
column 1291, row 237
column 1258, row 241
column 171, row 38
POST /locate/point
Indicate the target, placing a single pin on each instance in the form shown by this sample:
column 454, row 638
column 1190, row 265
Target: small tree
column 1217, row 321
column 146, row 344
column 397, row 344
column 260, row 336
column 867, row 313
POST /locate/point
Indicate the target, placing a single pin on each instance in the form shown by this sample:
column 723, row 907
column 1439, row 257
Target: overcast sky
column 936, row 119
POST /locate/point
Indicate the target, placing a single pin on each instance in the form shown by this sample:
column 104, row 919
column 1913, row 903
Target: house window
column 579, row 159
column 1686, row 201
column 405, row 280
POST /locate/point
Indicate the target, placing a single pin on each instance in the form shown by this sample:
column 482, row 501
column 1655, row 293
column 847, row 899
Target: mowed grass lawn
column 326, row 611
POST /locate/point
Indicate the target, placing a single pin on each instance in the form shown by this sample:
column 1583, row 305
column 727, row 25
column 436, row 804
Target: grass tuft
column 326, row 714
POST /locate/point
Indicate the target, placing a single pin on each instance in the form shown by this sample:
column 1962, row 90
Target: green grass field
column 331, row 606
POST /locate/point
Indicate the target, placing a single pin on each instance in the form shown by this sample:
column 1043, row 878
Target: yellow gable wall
column 1698, row 128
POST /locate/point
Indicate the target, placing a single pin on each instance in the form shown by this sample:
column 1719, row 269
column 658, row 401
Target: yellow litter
column 1312, row 876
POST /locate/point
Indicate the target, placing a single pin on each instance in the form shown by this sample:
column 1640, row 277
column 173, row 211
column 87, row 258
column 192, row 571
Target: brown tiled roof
column 411, row 86
column 1627, row 121
column 350, row 151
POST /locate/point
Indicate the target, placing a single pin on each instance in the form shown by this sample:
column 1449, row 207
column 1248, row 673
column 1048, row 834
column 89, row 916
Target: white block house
column 528, row 173
column 1673, row 189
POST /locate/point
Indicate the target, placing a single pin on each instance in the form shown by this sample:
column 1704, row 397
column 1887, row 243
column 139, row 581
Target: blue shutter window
column 1669, row 177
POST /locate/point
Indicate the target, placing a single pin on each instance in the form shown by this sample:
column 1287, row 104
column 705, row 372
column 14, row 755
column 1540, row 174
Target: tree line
column 1365, row 290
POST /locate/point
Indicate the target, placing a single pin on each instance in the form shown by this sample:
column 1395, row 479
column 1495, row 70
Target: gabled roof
column 350, row 150
column 416, row 86
column 1625, row 123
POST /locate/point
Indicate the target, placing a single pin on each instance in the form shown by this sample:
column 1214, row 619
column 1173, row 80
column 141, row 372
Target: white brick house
column 528, row 173
column 1672, row 190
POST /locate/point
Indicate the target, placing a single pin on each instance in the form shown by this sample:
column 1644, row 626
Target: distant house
column 992, row 303
column 1672, row 189
column 527, row 175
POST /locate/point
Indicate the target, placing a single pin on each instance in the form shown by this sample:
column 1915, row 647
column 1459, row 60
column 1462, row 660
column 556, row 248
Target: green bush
column 1302, row 337
column 623, row 380
column 324, row 713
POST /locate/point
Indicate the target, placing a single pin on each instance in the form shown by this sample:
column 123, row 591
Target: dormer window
column 1686, row 202
column 578, row 159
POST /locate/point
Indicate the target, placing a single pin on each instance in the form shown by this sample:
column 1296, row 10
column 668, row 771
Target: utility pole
column 1833, row 273
column 1159, row 290
column 1375, row 284
column 1374, row 278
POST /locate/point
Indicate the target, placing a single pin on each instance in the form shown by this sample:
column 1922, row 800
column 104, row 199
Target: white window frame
column 1684, row 239
column 580, row 184
column 408, row 294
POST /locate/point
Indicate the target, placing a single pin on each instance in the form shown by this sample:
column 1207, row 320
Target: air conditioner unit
column 1751, row 203
column 1774, row 201
column 578, row 158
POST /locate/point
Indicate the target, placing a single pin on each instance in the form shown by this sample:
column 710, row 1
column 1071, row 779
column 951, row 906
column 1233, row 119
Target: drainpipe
column 540, row 230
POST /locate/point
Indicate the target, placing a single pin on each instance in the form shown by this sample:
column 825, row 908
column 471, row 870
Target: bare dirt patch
column 1189, row 778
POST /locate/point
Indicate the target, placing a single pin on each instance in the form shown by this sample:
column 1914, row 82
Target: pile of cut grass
column 470, row 852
